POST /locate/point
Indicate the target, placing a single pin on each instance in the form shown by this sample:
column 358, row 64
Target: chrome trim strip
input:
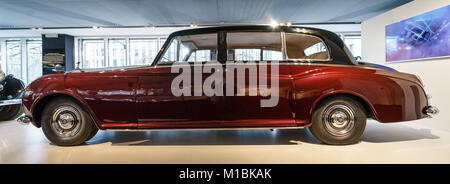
column 280, row 63
column 10, row 102
column 284, row 63
column 191, row 129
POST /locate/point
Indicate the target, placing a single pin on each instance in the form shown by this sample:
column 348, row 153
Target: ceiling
column 82, row 13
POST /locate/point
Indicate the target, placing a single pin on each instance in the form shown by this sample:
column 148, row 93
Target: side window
column 254, row 46
column 191, row 48
column 301, row 46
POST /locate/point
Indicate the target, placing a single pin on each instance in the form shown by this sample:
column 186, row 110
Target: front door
column 167, row 98
column 157, row 107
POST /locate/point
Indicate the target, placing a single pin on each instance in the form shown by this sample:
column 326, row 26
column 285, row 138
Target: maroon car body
column 140, row 97
column 116, row 99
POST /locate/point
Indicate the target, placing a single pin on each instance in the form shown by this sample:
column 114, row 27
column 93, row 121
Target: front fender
column 38, row 93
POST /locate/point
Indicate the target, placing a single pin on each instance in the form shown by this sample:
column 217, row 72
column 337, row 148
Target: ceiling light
column 274, row 24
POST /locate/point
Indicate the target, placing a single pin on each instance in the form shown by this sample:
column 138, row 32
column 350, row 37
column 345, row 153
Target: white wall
column 435, row 73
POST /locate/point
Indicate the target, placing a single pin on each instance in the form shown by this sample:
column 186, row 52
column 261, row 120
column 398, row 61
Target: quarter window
column 301, row 46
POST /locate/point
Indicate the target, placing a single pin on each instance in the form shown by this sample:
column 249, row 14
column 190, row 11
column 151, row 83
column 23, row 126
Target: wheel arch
column 40, row 105
column 368, row 107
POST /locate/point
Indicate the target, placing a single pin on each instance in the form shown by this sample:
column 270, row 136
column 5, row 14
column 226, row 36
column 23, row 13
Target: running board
column 190, row 129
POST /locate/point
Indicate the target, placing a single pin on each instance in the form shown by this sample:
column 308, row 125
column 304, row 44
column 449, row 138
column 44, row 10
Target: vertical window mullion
column 178, row 49
column 283, row 46
column 126, row 51
column 24, row 62
column 105, row 52
column 80, row 52
column 3, row 55
column 76, row 53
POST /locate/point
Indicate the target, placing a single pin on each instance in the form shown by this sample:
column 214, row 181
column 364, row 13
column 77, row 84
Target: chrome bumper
column 24, row 120
column 430, row 110
column 10, row 102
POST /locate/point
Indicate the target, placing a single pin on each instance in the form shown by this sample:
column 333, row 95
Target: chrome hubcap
column 66, row 121
column 338, row 119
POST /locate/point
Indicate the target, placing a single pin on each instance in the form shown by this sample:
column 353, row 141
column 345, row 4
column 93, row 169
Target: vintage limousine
column 319, row 86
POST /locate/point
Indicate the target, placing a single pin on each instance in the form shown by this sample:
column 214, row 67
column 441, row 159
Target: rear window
column 305, row 47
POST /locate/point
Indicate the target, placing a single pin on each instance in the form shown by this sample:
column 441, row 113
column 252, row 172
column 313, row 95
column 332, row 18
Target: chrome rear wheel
column 339, row 120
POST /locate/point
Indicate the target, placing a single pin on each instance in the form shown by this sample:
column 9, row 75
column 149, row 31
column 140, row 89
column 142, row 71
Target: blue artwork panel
column 423, row 36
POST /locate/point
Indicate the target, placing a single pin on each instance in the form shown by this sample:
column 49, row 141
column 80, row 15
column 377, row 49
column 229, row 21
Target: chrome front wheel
column 66, row 123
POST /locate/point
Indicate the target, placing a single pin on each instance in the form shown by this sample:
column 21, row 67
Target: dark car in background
column 10, row 96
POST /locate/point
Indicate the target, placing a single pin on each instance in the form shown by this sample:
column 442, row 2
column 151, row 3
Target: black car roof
column 338, row 51
column 293, row 29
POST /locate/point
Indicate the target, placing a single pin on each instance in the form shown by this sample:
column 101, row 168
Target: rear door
column 307, row 54
column 255, row 57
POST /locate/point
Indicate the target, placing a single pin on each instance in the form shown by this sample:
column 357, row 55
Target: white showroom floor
column 407, row 142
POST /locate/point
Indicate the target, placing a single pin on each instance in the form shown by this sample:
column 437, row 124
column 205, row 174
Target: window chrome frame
column 158, row 62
